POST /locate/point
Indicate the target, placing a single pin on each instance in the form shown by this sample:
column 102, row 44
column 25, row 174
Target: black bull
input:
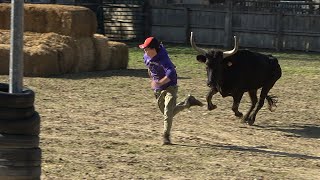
column 232, row 73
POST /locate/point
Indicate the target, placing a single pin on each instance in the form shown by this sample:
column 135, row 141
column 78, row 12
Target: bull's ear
column 201, row 58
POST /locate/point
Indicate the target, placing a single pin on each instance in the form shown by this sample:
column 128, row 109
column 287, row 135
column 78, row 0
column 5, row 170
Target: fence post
column 187, row 23
column 16, row 47
column 147, row 19
column 228, row 24
column 100, row 18
column 279, row 42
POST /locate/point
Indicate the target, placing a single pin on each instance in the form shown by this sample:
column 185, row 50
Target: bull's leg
column 236, row 102
column 210, row 94
column 254, row 100
column 264, row 92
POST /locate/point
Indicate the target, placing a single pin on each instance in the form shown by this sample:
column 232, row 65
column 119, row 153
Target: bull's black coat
column 244, row 71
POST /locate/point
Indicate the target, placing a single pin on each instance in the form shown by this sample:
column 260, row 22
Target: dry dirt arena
column 105, row 125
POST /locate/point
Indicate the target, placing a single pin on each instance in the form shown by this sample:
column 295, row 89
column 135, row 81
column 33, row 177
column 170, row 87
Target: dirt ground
column 105, row 125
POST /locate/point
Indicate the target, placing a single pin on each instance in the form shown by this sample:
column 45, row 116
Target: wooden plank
column 228, row 25
column 211, row 19
column 204, row 9
column 301, row 43
column 110, row 10
column 214, row 37
column 133, row 29
column 187, row 23
column 119, row 24
column 254, row 31
column 248, row 39
column 122, row 5
column 122, row 32
column 124, row 18
column 300, row 23
column 121, row 37
column 140, row 21
column 124, row 21
column 122, row 13
column 169, row 34
column 306, row 34
column 168, row 16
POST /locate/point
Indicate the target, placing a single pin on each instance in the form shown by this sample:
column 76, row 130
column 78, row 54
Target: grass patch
column 292, row 63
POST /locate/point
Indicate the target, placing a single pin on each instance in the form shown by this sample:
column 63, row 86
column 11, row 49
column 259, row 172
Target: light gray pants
column 166, row 100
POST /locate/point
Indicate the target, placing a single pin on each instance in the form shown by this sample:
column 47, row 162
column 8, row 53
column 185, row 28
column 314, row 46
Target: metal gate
column 124, row 19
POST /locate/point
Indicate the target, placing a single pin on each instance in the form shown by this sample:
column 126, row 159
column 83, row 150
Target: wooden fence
column 264, row 25
column 258, row 24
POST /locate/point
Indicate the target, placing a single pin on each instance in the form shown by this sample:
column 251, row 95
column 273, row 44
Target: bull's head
column 214, row 59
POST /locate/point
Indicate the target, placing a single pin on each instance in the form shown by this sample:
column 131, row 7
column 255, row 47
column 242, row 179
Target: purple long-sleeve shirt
column 161, row 66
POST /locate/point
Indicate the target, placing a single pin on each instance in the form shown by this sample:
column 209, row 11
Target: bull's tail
column 272, row 102
column 275, row 66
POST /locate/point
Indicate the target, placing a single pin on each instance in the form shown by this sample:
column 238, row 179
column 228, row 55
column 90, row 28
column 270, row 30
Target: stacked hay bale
column 60, row 39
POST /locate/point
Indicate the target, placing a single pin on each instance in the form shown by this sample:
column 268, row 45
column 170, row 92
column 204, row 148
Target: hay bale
column 4, row 38
column 41, row 62
column 119, row 55
column 4, row 16
column 103, row 52
column 48, row 43
column 36, row 63
column 85, row 53
column 4, row 58
column 47, row 54
column 67, row 20
column 44, row 54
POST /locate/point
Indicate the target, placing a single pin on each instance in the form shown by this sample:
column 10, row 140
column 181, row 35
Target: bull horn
column 193, row 44
column 233, row 51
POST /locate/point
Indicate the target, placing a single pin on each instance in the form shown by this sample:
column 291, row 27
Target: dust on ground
column 105, row 125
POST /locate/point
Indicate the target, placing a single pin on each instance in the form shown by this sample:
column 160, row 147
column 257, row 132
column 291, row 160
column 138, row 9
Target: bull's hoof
column 212, row 107
column 243, row 120
column 250, row 122
column 248, row 119
column 238, row 114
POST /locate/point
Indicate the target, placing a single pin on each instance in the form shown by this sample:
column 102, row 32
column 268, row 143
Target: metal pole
column 16, row 49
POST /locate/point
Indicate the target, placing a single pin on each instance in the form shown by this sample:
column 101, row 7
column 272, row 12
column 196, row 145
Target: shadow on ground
column 141, row 73
column 295, row 130
column 257, row 149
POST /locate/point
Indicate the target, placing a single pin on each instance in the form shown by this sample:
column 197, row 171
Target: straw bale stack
column 85, row 54
column 65, row 44
column 103, row 52
column 44, row 54
column 119, row 55
column 72, row 21
column 4, row 58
